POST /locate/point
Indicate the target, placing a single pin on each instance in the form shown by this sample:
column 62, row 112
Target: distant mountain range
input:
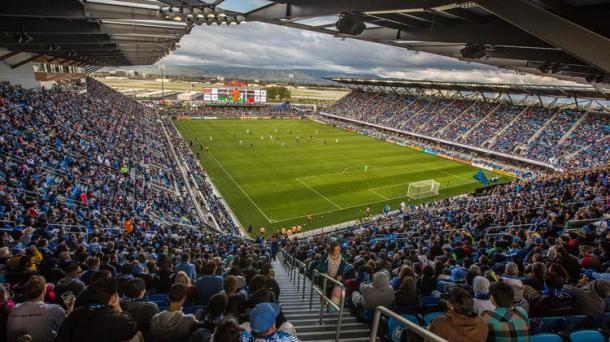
column 300, row 76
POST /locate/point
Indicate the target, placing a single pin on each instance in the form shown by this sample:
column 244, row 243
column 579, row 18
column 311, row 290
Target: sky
column 260, row 45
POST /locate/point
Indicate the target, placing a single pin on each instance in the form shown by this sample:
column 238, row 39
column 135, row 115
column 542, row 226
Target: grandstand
column 113, row 229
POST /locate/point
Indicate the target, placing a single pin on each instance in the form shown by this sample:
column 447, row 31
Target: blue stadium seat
column 587, row 336
column 429, row 317
column 395, row 328
column 547, row 324
column 546, row 338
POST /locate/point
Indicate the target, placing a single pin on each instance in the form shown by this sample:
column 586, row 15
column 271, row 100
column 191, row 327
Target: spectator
column 461, row 322
column 101, row 320
column 134, row 304
column 555, row 300
column 227, row 330
column 482, row 301
column 378, row 293
column 34, row 317
column 407, row 290
column 172, row 324
column 6, row 305
column 209, row 284
column 262, row 321
column 507, row 323
column 186, row 266
column 71, row 281
column 236, row 299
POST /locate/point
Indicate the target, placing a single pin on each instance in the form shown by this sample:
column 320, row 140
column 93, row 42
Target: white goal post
column 425, row 188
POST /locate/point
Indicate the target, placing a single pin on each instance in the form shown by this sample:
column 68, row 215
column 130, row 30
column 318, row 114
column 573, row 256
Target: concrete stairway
column 296, row 309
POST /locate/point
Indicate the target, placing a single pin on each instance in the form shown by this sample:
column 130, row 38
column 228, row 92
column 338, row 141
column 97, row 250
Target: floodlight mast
column 161, row 67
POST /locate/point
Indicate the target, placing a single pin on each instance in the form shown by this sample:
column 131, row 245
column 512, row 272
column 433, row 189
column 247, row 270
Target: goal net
column 425, row 188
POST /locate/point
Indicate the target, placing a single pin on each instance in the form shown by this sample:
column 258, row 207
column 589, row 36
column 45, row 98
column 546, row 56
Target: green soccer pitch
column 271, row 179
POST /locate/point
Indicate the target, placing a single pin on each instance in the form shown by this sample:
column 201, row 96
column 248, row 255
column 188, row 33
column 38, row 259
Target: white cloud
column 260, row 45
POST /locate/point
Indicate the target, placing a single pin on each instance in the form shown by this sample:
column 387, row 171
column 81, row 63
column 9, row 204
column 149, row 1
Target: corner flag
column 366, row 168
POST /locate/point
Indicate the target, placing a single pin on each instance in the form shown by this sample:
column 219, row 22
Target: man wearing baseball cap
column 262, row 321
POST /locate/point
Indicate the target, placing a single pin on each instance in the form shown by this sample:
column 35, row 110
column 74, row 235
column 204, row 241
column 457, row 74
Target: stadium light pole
column 161, row 67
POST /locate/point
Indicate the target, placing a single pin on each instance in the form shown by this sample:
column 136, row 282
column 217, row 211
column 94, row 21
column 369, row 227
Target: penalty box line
column 319, row 194
column 368, row 203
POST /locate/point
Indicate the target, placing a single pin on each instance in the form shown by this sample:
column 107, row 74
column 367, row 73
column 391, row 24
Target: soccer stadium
column 196, row 207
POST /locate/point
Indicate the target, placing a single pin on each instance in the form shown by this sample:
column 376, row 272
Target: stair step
column 319, row 335
column 329, row 321
column 296, row 309
column 329, row 327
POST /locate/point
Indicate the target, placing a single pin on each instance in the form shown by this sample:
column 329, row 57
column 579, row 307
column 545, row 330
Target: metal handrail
column 291, row 265
column 324, row 299
column 427, row 335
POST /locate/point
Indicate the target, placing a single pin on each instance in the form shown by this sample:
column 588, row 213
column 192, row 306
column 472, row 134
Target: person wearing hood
column 172, row 324
column 482, row 302
column 100, row 320
column 591, row 298
column 378, row 293
column 461, row 322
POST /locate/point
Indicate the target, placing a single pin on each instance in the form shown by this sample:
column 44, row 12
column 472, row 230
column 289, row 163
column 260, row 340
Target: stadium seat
column 395, row 328
column 587, row 336
column 547, row 324
column 546, row 338
column 429, row 317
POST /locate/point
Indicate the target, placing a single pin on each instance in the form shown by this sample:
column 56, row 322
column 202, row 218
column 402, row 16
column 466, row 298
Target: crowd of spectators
column 498, row 265
column 140, row 266
column 492, row 125
column 521, row 130
column 534, row 132
column 467, row 120
column 235, row 112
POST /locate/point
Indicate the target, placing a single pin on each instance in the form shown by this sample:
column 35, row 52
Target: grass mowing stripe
column 319, row 194
column 329, row 160
column 239, row 186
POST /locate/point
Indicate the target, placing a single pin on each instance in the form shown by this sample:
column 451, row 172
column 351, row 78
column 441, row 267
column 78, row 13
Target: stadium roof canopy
column 567, row 39
column 95, row 32
column 583, row 92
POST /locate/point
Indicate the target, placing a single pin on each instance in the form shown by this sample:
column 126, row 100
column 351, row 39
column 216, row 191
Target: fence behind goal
column 425, row 188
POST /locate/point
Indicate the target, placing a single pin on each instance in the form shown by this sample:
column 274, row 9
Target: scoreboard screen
column 234, row 95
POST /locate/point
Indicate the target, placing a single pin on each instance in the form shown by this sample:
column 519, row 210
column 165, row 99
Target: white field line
column 363, row 204
column 378, row 194
column 319, row 194
column 239, row 186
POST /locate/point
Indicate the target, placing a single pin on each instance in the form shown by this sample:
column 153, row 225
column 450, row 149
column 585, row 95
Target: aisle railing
column 294, row 268
column 420, row 331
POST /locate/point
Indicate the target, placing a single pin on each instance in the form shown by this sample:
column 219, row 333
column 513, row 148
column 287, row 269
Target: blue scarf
column 559, row 293
column 482, row 296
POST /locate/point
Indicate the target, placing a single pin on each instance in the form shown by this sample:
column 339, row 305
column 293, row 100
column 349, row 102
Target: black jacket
column 97, row 323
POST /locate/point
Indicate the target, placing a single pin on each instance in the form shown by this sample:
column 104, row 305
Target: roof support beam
column 558, row 31
column 25, row 61
column 494, row 32
column 314, row 8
